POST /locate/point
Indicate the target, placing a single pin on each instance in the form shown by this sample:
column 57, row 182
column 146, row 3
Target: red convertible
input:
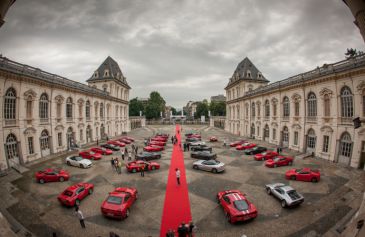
column 279, row 161
column 153, row 148
column 74, row 194
column 116, row 143
column 51, row 175
column 136, row 166
column 236, row 143
column 245, row 146
column 102, row 150
column 213, row 139
column 90, row 155
column 236, row 207
column 157, row 143
column 266, row 155
column 118, row 202
column 125, row 141
column 303, row 174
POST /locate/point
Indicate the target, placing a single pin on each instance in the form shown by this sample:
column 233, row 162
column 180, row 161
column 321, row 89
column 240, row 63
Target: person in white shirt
column 177, row 172
column 80, row 216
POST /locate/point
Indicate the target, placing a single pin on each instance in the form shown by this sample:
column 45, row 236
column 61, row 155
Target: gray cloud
column 187, row 49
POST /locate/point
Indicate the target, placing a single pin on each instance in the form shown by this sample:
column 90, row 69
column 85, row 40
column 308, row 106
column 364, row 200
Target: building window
column 43, row 106
column 30, row 146
column 274, row 134
column 312, row 105
column 326, row 102
column 326, row 140
column 11, row 147
column 252, row 130
column 69, row 107
column 87, row 109
column 258, row 110
column 346, row 145
column 96, row 110
column 347, row 109
column 258, row 131
column 253, row 109
column 59, row 110
column 101, row 110
column 286, row 135
column 59, row 138
column 275, row 110
column 286, row 106
column 296, row 138
column 266, row 131
column 10, row 104
column 311, row 143
column 267, row 108
column 29, row 108
column 44, row 140
column 81, row 135
column 296, row 108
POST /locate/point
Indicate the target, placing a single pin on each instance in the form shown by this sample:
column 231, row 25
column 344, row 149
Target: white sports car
column 78, row 161
column 287, row 195
column 209, row 165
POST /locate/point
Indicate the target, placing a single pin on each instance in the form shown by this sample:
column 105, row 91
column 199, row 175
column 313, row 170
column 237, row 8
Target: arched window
column 311, row 142
column 346, row 145
column 347, row 109
column 312, row 105
column 43, row 106
column 296, row 108
column 258, row 109
column 252, row 130
column 44, row 139
column 253, row 109
column 10, row 104
column 266, row 131
column 69, row 107
column 267, row 108
column 101, row 110
column 286, row 107
column 285, row 136
column 11, row 147
column 326, row 105
column 87, row 109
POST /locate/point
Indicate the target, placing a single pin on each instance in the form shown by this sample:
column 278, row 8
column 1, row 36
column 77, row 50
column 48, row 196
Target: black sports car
column 192, row 139
column 255, row 150
column 111, row 147
column 203, row 155
column 201, row 148
column 148, row 156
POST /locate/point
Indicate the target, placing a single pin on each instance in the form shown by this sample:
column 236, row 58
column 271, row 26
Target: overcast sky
column 185, row 49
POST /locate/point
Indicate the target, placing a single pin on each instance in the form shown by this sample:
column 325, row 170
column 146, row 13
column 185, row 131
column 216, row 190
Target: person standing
column 182, row 230
column 170, row 233
column 142, row 169
column 129, row 155
column 191, row 229
column 119, row 167
column 112, row 162
column 172, row 139
column 188, row 146
column 136, row 150
column 80, row 216
column 224, row 143
column 177, row 172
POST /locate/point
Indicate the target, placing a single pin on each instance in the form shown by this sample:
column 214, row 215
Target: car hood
column 85, row 162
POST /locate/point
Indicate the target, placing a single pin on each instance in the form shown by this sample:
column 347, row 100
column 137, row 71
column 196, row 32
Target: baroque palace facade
column 311, row 112
column 43, row 113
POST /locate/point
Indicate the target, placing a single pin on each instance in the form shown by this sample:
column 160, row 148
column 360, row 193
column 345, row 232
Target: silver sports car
column 286, row 194
column 209, row 165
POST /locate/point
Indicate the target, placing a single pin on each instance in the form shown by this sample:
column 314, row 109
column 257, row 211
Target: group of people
column 186, row 146
column 117, row 164
column 184, row 230
column 173, row 139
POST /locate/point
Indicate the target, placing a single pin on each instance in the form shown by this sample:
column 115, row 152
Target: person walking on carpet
column 177, row 172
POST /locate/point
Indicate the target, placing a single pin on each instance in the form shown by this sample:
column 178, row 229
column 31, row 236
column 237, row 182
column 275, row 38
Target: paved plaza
column 327, row 206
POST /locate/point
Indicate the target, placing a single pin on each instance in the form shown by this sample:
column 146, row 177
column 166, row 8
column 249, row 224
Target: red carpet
column 177, row 206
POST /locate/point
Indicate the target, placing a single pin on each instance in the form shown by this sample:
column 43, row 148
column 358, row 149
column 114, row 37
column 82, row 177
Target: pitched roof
column 108, row 70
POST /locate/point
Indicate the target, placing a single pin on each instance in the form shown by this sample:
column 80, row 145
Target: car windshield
column 276, row 159
column 111, row 145
column 293, row 195
column 103, row 149
column 92, row 153
column 241, row 205
column 115, row 200
column 78, row 158
column 263, row 153
column 298, row 170
column 68, row 193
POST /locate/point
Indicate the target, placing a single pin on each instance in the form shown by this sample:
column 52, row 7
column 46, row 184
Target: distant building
column 218, row 98
column 167, row 113
column 190, row 109
column 4, row 7
column 357, row 8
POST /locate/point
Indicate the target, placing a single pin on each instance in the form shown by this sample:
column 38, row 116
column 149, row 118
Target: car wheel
column 91, row 191
column 68, row 163
column 293, row 177
column 228, row 216
column 81, row 166
column 214, row 170
column 290, row 163
column 41, row 181
column 134, row 171
column 314, row 180
column 268, row 190
column 62, row 179
column 283, row 203
column 127, row 213
column 275, row 165
column 77, row 202
column 195, row 167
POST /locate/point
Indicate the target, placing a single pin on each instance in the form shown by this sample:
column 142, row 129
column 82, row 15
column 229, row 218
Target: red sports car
column 266, row 155
column 194, row 135
column 153, row 148
column 236, row 143
column 90, row 155
column 236, row 206
column 102, row 150
column 245, row 146
column 157, row 143
column 74, row 194
column 136, row 166
column 303, row 174
column 159, row 139
column 51, row 175
column 128, row 138
column 125, row 141
column 117, row 204
column 117, row 143
column 279, row 161
column 213, row 139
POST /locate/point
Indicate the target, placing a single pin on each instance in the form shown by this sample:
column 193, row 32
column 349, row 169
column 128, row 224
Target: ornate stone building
column 43, row 113
column 311, row 112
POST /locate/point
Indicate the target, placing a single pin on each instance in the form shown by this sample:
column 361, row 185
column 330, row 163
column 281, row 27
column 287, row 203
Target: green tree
column 217, row 108
column 135, row 106
column 155, row 105
column 174, row 112
column 201, row 109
